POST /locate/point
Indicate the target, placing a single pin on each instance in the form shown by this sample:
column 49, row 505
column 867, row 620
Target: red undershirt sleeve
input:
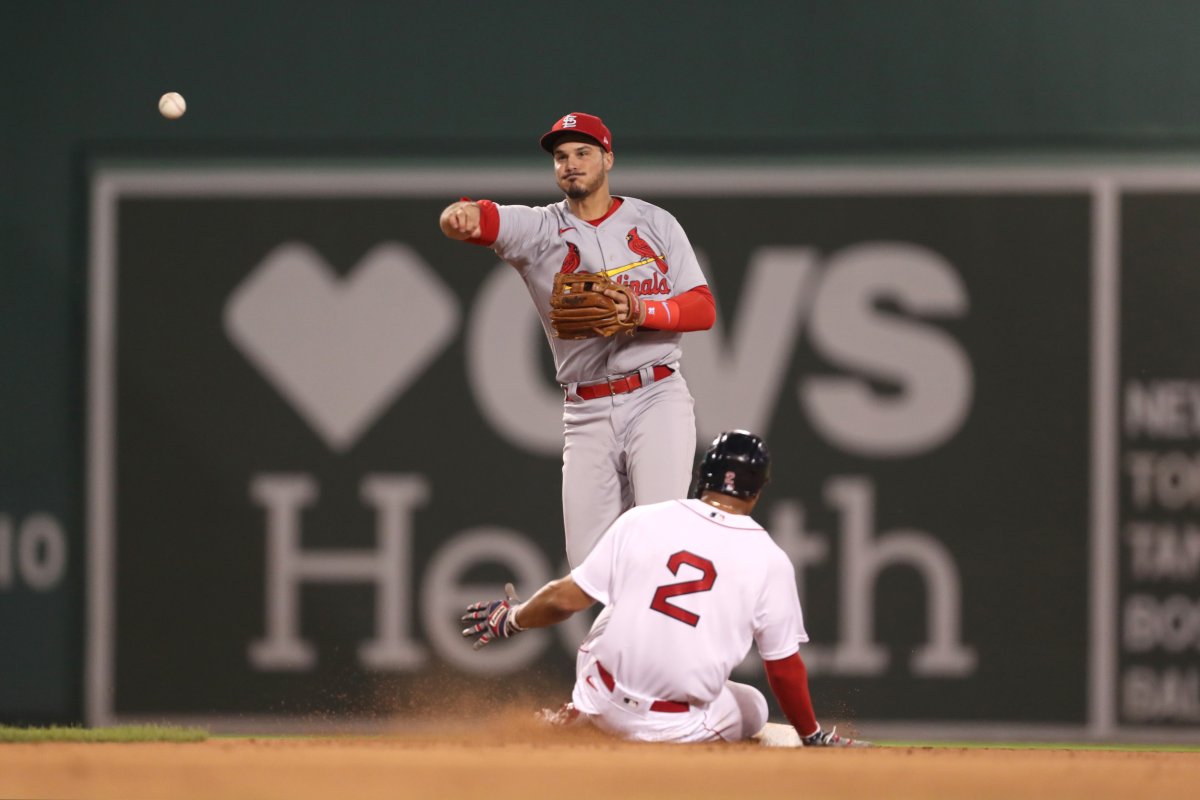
column 788, row 678
column 489, row 222
column 694, row 310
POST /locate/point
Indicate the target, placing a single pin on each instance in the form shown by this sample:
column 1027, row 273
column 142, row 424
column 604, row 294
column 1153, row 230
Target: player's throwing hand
column 499, row 619
column 461, row 220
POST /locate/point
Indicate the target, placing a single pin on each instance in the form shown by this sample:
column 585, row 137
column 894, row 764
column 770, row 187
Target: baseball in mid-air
column 172, row 105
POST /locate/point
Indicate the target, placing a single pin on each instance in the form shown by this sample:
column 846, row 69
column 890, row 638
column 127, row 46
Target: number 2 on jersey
column 704, row 584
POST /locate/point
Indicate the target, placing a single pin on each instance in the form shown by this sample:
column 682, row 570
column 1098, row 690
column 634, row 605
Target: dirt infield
column 478, row 765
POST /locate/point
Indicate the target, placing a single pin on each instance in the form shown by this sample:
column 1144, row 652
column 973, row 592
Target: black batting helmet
column 737, row 463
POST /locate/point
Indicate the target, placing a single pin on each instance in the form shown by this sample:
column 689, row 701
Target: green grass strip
column 123, row 733
column 1156, row 748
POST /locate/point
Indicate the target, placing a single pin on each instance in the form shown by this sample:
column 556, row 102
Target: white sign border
column 109, row 184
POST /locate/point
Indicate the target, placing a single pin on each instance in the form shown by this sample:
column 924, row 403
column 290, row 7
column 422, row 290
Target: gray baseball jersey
column 627, row 449
column 640, row 245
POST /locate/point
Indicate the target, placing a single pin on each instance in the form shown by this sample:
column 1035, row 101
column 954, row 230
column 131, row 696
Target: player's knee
column 752, row 705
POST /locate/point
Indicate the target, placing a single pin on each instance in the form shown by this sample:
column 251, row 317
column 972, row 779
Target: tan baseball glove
column 579, row 308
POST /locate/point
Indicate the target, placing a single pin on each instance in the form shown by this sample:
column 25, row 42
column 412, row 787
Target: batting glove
column 498, row 619
column 831, row 739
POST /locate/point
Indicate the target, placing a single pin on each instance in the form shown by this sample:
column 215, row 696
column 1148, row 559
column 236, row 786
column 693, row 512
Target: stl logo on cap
column 577, row 123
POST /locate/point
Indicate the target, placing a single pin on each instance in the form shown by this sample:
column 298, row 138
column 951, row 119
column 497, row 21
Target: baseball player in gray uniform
column 690, row 583
column 629, row 426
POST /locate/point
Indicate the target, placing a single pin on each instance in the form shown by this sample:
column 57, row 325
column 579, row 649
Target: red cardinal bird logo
column 638, row 245
column 571, row 262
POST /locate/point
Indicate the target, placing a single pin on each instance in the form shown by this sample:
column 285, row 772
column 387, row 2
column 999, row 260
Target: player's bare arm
column 461, row 220
column 553, row 603
column 500, row 619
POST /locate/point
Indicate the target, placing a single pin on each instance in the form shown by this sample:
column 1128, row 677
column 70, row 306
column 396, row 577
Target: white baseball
column 172, row 105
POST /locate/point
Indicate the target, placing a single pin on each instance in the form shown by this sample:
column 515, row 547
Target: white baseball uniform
column 687, row 587
column 625, row 449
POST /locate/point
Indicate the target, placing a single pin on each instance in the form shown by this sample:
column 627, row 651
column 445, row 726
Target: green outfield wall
column 1004, row 188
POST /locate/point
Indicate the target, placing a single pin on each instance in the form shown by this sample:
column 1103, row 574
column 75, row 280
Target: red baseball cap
column 577, row 122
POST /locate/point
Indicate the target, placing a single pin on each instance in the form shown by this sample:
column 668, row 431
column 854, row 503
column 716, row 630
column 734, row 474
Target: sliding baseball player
column 689, row 584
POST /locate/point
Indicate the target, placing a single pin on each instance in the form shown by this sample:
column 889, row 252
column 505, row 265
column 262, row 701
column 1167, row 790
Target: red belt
column 670, row 706
column 621, row 385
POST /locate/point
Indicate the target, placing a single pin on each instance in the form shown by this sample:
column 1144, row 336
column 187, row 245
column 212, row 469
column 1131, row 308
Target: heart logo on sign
column 341, row 350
